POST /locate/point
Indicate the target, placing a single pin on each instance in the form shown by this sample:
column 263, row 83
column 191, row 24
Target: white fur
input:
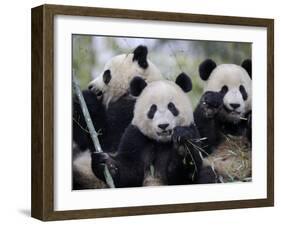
column 161, row 93
column 123, row 69
column 232, row 76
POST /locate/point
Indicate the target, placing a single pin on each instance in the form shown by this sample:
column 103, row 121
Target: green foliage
column 83, row 58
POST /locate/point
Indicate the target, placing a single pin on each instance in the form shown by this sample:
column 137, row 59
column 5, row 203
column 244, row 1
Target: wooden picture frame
column 42, row 205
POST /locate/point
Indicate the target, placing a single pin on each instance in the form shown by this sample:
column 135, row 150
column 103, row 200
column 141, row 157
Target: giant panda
column 223, row 118
column 111, row 109
column 159, row 146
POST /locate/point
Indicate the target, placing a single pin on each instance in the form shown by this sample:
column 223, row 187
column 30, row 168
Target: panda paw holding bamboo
column 185, row 137
column 99, row 160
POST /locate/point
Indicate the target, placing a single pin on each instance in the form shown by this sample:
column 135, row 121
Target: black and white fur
column 109, row 103
column 163, row 121
column 226, row 104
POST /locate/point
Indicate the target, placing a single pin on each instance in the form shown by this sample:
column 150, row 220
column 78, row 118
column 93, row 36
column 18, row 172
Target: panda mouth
column 232, row 116
column 98, row 92
column 233, row 112
column 164, row 133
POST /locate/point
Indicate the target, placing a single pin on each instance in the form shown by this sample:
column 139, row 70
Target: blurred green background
column 90, row 53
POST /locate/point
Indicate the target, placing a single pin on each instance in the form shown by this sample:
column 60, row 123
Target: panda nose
column 163, row 126
column 234, row 106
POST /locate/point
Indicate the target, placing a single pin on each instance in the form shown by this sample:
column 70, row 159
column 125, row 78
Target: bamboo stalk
column 91, row 128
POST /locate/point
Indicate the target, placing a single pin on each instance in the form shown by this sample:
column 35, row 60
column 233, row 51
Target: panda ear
column 137, row 85
column 247, row 65
column 206, row 68
column 184, row 82
column 140, row 55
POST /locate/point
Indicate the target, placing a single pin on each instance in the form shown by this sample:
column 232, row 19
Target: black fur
column 249, row 126
column 110, row 123
column 207, row 176
column 224, row 90
column 151, row 112
column 243, row 92
column 173, row 109
column 206, row 68
column 119, row 115
column 79, row 127
column 247, row 65
column 137, row 85
column 184, row 82
column 212, row 99
column 137, row 153
column 140, row 55
column 106, row 76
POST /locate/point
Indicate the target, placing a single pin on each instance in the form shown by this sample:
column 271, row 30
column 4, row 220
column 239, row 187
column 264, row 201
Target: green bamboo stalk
column 91, row 128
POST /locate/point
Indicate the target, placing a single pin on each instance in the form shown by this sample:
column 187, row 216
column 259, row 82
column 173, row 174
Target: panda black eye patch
column 243, row 92
column 151, row 112
column 224, row 90
column 173, row 109
column 106, row 76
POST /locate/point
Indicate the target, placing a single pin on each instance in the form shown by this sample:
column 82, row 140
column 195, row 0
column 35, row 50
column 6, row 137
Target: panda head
column 233, row 82
column 161, row 106
column 115, row 78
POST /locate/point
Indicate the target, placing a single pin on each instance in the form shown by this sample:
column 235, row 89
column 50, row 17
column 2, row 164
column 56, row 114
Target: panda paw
column 99, row 160
column 182, row 134
column 211, row 102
